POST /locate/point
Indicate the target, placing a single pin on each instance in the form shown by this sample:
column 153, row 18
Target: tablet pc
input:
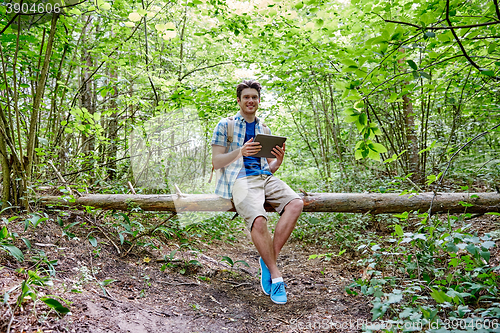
column 268, row 142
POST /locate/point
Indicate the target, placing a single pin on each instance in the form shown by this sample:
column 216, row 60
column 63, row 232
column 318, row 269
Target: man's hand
column 279, row 153
column 250, row 148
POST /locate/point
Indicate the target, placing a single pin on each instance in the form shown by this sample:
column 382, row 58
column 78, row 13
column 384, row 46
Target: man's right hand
column 250, row 148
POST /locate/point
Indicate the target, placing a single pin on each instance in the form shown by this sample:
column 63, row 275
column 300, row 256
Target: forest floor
column 212, row 297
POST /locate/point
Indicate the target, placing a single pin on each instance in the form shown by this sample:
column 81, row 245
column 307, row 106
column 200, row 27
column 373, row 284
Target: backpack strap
column 229, row 140
column 266, row 129
column 230, row 131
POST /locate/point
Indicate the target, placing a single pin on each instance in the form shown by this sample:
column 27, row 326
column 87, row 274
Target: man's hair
column 248, row 84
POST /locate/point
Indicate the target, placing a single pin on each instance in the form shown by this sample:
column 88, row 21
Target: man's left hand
column 279, row 153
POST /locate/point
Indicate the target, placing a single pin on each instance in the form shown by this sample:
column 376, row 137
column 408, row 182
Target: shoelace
column 280, row 288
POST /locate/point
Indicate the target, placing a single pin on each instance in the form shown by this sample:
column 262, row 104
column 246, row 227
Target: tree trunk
column 374, row 203
column 5, row 172
column 40, row 88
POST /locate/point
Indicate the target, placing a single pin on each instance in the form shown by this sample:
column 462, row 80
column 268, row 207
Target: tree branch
column 444, row 28
column 458, row 39
column 496, row 8
column 202, row 68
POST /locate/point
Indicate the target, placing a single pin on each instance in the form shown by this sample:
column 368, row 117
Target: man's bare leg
column 285, row 225
column 270, row 248
column 264, row 244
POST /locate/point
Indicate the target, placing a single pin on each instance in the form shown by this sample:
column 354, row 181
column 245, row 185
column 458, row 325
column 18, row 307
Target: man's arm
column 275, row 163
column 222, row 159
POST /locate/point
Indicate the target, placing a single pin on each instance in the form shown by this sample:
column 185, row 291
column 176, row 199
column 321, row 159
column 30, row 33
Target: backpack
column 229, row 139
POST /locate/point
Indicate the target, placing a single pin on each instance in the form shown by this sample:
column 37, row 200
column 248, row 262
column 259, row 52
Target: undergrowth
column 437, row 278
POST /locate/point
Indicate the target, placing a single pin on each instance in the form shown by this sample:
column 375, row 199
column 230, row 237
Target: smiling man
column 249, row 182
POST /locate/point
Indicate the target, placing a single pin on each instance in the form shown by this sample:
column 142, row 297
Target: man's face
column 249, row 101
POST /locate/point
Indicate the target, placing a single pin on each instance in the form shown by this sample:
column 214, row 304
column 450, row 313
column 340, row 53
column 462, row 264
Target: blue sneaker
column 278, row 293
column 265, row 277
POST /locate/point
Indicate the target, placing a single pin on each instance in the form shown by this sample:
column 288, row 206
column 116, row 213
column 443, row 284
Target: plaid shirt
column 228, row 174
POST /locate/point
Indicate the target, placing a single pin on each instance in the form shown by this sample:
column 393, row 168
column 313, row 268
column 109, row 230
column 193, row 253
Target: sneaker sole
column 261, row 285
column 276, row 302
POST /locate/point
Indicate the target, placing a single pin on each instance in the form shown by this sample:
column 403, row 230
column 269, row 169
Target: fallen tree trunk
column 374, row 203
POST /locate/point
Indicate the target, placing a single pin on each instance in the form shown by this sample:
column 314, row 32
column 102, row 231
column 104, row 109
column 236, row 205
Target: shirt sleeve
column 219, row 137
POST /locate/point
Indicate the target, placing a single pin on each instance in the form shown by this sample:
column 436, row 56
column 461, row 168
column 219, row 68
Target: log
column 374, row 203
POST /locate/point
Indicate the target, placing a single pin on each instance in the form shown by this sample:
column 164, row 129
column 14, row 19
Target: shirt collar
column 240, row 118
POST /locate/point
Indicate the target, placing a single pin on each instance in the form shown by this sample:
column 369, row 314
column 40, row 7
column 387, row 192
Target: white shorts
column 250, row 193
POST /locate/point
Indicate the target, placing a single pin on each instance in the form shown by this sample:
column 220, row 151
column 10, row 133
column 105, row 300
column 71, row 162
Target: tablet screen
column 268, row 142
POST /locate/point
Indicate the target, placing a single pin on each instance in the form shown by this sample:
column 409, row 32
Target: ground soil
column 207, row 298
column 212, row 297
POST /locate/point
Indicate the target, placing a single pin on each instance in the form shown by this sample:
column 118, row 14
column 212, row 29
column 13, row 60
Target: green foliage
column 6, row 244
column 439, row 261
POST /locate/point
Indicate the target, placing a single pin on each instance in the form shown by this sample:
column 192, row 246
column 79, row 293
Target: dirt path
column 211, row 298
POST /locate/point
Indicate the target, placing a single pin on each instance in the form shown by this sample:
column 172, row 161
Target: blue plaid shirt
column 228, row 174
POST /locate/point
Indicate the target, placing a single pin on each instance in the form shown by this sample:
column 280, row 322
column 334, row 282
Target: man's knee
column 259, row 224
column 295, row 206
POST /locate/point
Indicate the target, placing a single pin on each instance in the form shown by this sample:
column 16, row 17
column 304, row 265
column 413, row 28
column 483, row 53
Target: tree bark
column 374, row 203
column 40, row 88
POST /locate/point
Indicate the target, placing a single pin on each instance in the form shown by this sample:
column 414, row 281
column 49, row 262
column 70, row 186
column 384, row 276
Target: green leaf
column 377, row 147
column 363, row 119
column 107, row 281
column 105, row 6
column 352, row 118
column 27, row 242
column 229, row 260
column 243, row 262
column 492, row 47
column 194, row 262
column 472, row 249
column 488, row 244
column 485, row 255
column 412, row 64
column 395, row 298
column 430, row 34
column 4, row 233
column 14, row 251
column 487, row 72
column 93, row 241
column 425, row 75
column 451, row 247
column 314, row 220
column 55, row 304
column 439, row 296
column 399, row 230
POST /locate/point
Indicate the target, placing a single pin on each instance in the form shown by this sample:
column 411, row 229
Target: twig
column 150, row 231
column 282, row 320
column 107, row 297
column 228, row 281
column 130, row 248
column 131, row 187
column 242, row 284
column 105, row 235
column 61, row 178
column 11, row 319
column 44, row 245
column 179, row 284
column 178, row 191
column 245, row 271
column 451, row 159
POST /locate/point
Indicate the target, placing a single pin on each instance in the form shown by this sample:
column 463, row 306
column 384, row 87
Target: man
column 249, row 181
